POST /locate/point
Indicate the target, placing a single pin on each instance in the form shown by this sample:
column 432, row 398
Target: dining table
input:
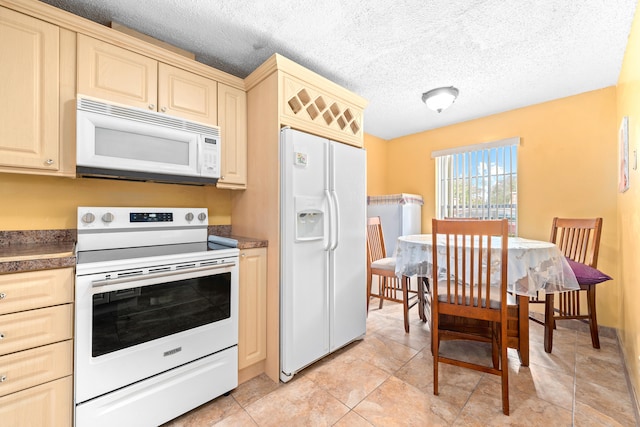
column 533, row 266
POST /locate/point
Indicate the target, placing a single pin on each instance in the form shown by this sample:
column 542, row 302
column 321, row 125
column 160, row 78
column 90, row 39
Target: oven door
column 131, row 328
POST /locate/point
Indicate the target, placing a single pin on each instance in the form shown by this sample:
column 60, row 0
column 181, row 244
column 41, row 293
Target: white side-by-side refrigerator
column 323, row 248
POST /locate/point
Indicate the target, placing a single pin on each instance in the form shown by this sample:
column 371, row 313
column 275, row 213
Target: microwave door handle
column 200, row 154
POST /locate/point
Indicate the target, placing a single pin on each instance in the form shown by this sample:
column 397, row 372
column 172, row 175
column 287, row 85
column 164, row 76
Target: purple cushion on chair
column 587, row 275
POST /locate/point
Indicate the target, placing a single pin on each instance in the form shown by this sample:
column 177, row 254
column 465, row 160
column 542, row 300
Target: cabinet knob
column 2, row 295
column 163, row 109
column 1, row 336
column 152, row 107
column 3, row 378
column 49, row 162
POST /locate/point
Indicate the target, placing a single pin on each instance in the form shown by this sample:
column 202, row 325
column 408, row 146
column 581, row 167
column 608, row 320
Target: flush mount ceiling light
column 440, row 98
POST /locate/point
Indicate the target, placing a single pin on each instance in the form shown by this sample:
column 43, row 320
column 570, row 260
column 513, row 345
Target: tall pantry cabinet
column 282, row 93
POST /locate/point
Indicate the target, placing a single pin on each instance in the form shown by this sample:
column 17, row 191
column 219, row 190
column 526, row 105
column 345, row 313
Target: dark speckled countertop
column 31, row 250
column 36, row 250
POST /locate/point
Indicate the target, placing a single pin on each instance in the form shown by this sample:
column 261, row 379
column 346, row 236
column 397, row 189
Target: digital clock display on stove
column 150, row 217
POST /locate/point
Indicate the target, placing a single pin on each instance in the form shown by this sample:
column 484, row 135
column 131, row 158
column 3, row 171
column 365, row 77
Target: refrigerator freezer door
column 348, row 307
column 304, row 289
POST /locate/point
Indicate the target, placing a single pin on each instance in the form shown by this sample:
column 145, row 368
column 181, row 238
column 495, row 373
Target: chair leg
column 382, row 289
column 523, row 329
column 495, row 345
column 593, row 322
column 435, row 344
column 549, row 323
column 504, row 367
column 369, row 284
column 422, row 298
column 405, row 302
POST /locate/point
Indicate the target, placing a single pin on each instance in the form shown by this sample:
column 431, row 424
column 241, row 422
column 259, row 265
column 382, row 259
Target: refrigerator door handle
column 329, row 234
column 336, row 216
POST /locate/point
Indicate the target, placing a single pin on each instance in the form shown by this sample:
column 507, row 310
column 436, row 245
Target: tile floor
column 387, row 380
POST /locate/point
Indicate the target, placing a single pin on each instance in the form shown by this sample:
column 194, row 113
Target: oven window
column 133, row 316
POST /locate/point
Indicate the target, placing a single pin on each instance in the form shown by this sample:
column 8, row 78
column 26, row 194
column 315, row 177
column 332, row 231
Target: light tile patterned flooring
column 387, row 380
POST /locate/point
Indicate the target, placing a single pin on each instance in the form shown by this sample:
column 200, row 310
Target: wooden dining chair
column 464, row 290
column 579, row 241
column 378, row 264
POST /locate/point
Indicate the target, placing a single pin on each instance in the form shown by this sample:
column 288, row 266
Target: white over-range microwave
column 115, row 141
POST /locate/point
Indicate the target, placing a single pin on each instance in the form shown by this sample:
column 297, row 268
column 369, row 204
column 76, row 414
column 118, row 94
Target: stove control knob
column 88, row 218
column 202, row 216
column 108, row 217
column 189, row 217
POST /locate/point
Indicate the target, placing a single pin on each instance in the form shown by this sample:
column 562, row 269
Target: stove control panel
column 123, row 218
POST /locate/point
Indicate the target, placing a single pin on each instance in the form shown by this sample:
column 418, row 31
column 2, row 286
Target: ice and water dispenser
column 309, row 218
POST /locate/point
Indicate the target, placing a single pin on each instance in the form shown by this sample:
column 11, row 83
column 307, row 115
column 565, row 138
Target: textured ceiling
column 501, row 54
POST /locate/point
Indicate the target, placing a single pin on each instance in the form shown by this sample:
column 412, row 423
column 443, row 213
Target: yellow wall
column 40, row 203
column 376, row 165
column 628, row 96
column 567, row 166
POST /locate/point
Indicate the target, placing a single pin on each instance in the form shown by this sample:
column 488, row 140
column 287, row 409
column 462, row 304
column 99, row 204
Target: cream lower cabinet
column 232, row 119
column 115, row 74
column 252, row 322
column 36, row 348
column 33, row 56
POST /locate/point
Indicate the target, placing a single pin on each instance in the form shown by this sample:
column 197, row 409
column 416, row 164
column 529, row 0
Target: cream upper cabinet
column 112, row 73
column 252, row 323
column 187, row 95
column 109, row 72
column 29, row 72
column 232, row 118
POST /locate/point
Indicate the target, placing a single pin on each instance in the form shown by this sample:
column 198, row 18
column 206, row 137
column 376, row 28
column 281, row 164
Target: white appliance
column 323, row 248
column 131, row 143
column 156, row 315
column 400, row 215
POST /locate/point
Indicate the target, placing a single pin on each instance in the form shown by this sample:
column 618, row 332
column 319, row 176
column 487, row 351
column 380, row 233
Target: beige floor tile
column 601, row 399
column 254, row 389
column 484, row 408
column 349, row 379
column 547, row 384
column 352, row 420
column 396, row 403
column 300, row 402
column 238, row 419
column 208, row 414
column 586, row 416
column 383, row 352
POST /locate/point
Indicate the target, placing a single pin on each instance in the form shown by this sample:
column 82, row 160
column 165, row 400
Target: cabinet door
column 35, row 289
column 46, row 405
column 109, row 72
column 252, row 322
column 33, row 328
column 29, row 368
column 187, row 95
column 29, row 113
column 232, row 118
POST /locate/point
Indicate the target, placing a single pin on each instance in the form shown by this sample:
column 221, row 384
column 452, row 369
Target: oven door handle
column 138, row 277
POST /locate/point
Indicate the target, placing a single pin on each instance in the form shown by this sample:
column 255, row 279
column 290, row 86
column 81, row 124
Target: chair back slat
column 375, row 239
column 464, row 281
column 578, row 239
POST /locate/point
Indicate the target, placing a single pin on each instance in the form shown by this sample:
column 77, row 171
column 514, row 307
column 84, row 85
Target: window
column 479, row 181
